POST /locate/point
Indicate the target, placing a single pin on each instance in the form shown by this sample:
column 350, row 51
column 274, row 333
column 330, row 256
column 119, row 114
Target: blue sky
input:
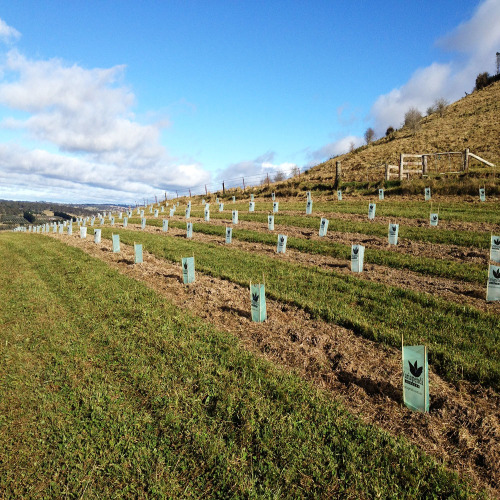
column 115, row 101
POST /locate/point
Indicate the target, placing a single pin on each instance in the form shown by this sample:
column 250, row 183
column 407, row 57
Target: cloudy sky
column 112, row 101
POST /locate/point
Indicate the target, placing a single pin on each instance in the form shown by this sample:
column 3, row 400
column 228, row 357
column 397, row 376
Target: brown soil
column 462, row 429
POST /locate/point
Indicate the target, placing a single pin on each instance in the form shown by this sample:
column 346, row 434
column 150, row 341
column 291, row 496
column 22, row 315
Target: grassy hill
column 471, row 122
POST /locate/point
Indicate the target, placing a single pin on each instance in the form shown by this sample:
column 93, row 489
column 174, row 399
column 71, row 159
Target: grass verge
column 109, row 391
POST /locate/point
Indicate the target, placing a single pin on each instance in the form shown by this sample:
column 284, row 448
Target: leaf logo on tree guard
column 355, row 250
column 434, row 217
column 282, row 240
column 497, row 242
column 255, row 297
column 496, row 273
column 415, row 370
column 394, row 229
column 185, row 266
column 228, row 232
column 308, row 203
column 322, row 223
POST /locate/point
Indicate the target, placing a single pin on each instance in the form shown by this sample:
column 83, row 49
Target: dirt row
column 462, row 429
column 472, row 294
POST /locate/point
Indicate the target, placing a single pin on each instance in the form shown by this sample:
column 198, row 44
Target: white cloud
column 335, row 148
column 476, row 41
column 7, row 33
column 39, row 171
column 253, row 170
column 85, row 116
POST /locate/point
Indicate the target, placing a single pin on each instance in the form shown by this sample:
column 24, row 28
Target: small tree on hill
column 279, row 176
column 482, row 80
column 369, row 135
column 412, row 119
column 389, row 131
column 440, row 106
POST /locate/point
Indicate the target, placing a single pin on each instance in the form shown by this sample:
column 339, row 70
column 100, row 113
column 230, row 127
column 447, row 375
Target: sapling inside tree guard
column 323, row 227
column 415, row 378
column 138, row 253
column 393, row 234
column 495, row 249
column 258, row 302
column 357, row 258
column 309, row 206
column 281, row 248
column 371, row 211
column 188, row 270
column 493, row 286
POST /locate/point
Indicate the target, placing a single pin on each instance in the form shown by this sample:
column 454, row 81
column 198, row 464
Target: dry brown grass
column 471, row 122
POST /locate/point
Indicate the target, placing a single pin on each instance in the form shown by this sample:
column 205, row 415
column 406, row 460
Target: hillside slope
column 471, row 122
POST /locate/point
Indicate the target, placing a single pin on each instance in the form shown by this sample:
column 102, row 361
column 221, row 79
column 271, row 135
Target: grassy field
column 390, row 207
column 109, row 391
column 424, row 265
column 424, row 234
column 461, row 339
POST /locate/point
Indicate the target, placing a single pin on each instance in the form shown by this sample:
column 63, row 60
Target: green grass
column 107, row 391
column 460, row 338
column 460, row 211
column 424, row 234
column 424, row 265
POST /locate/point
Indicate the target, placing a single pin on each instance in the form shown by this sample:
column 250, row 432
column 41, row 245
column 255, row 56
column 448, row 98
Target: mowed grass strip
column 108, row 391
column 461, row 339
column 424, row 265
column 425, row 234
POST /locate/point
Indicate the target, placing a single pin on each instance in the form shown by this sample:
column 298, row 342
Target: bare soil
column 462, row 429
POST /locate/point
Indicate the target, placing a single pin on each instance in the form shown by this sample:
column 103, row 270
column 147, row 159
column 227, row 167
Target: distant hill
column 17, row 208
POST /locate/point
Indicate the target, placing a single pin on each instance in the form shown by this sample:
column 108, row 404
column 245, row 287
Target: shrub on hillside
column 389, row 131
column 412, row 119
column 482, row 80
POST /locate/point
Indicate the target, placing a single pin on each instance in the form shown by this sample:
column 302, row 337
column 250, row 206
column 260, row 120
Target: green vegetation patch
column 426, row 234
column 108, row 391
column 423, row 265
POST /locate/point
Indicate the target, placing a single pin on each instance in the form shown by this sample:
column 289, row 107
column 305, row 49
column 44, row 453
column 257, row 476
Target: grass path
column 109, row 391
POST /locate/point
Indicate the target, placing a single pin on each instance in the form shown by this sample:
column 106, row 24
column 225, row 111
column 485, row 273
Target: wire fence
column 244, row 182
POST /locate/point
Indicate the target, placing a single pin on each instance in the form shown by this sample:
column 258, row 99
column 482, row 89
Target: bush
column 412, row 119
column 482, row 80
column 29, row 217
column 440, row 106
column 389, row 131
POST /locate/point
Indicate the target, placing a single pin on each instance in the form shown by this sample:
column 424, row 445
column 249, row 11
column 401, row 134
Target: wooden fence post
column 387, row 172
column 338, row 174
column 466, row 160
column 424, row 165
column 401, row 159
